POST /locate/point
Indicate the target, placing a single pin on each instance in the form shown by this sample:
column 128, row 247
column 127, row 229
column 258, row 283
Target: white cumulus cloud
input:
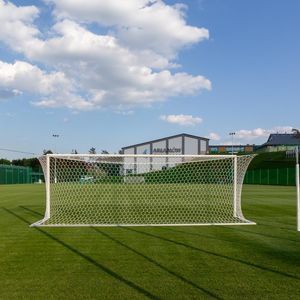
column 139, row 24
column 260, row 132
column 184, row 120
column 17, row 28
column 24, row 77
column 54, row 88
column 243, row 136
column 214, row 136
column 131, row 64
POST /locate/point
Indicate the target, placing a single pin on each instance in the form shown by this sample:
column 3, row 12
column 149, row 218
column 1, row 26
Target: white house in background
column 176, row 144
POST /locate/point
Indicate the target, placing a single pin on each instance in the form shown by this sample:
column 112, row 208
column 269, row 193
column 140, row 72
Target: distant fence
column 276, row 176
column 17, row 175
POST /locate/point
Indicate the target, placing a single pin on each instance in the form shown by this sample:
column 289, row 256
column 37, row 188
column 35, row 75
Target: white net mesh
column 143, row 190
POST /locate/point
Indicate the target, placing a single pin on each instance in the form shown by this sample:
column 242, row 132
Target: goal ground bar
column 138, row 225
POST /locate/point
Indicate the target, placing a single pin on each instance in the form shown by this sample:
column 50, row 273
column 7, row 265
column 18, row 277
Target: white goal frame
column 297, row 187
column 238, row 176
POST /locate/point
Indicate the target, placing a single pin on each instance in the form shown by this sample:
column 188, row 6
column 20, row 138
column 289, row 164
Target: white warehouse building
column 180, row 144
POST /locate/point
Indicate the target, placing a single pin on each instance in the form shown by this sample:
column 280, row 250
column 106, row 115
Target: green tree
column 4, row 161
column 27, row 162
column 92, row 150
column 45, row 152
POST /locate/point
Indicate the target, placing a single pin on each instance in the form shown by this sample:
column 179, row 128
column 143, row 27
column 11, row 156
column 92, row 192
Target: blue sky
column 244, row 77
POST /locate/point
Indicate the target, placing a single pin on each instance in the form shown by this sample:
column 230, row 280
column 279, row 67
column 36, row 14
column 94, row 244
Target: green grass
column 151, row 203
column 228, row 262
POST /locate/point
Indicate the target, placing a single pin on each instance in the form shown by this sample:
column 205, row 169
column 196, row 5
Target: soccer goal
column 143, row 190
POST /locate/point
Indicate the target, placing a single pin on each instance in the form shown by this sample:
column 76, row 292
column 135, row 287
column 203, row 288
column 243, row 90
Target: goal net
column 132, row 190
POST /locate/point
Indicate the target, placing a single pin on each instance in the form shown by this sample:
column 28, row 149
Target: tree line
column 34, row 162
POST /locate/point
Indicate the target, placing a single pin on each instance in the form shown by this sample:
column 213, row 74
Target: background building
column 281, row 142
column 175, row 144
column 228, row 149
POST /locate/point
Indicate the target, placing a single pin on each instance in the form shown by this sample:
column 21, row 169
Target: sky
column 108, row 74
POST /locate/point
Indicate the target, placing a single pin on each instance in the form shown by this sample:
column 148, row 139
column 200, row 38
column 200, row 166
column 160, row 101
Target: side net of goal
column 112, row 190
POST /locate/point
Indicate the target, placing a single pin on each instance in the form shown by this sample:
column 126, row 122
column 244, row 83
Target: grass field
column 148, row 203
column 229, row 262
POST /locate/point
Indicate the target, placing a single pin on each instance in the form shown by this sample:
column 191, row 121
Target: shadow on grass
column 213, row 253
column 85, row 257
column 31, row 211
column 200, row 235
column 261, row 234
column 198, row 249
column 203, row 235
column 228, row 240
column 149, row 259
column 264, row 223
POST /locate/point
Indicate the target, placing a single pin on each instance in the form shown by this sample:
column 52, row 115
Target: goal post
column 143, row 190
column 297, row 187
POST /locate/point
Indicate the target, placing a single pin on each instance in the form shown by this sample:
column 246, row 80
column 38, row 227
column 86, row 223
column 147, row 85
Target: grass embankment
column 271, row 160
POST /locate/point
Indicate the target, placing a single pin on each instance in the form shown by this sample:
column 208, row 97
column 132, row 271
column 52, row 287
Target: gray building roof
column 167, row 137
column 276, row 139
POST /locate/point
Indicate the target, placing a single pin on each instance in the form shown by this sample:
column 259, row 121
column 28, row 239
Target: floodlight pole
column 298, row 188
column 55, row 145
column 232, row 134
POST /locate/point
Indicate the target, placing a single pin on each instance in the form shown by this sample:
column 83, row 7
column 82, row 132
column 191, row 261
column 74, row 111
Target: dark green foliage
column 45, row 152
column 27, row 162
column 4, row 161
column 68, row 171
column 23, row 162
column 209, row 171
column 65, row 171
column 271, row 160
column 109, row 179
column 109, row 169
column 92, row 150
column 273, row 168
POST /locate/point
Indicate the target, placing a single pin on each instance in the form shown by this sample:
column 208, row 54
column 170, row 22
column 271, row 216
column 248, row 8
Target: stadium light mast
column 232, row 134
column 56, row 136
